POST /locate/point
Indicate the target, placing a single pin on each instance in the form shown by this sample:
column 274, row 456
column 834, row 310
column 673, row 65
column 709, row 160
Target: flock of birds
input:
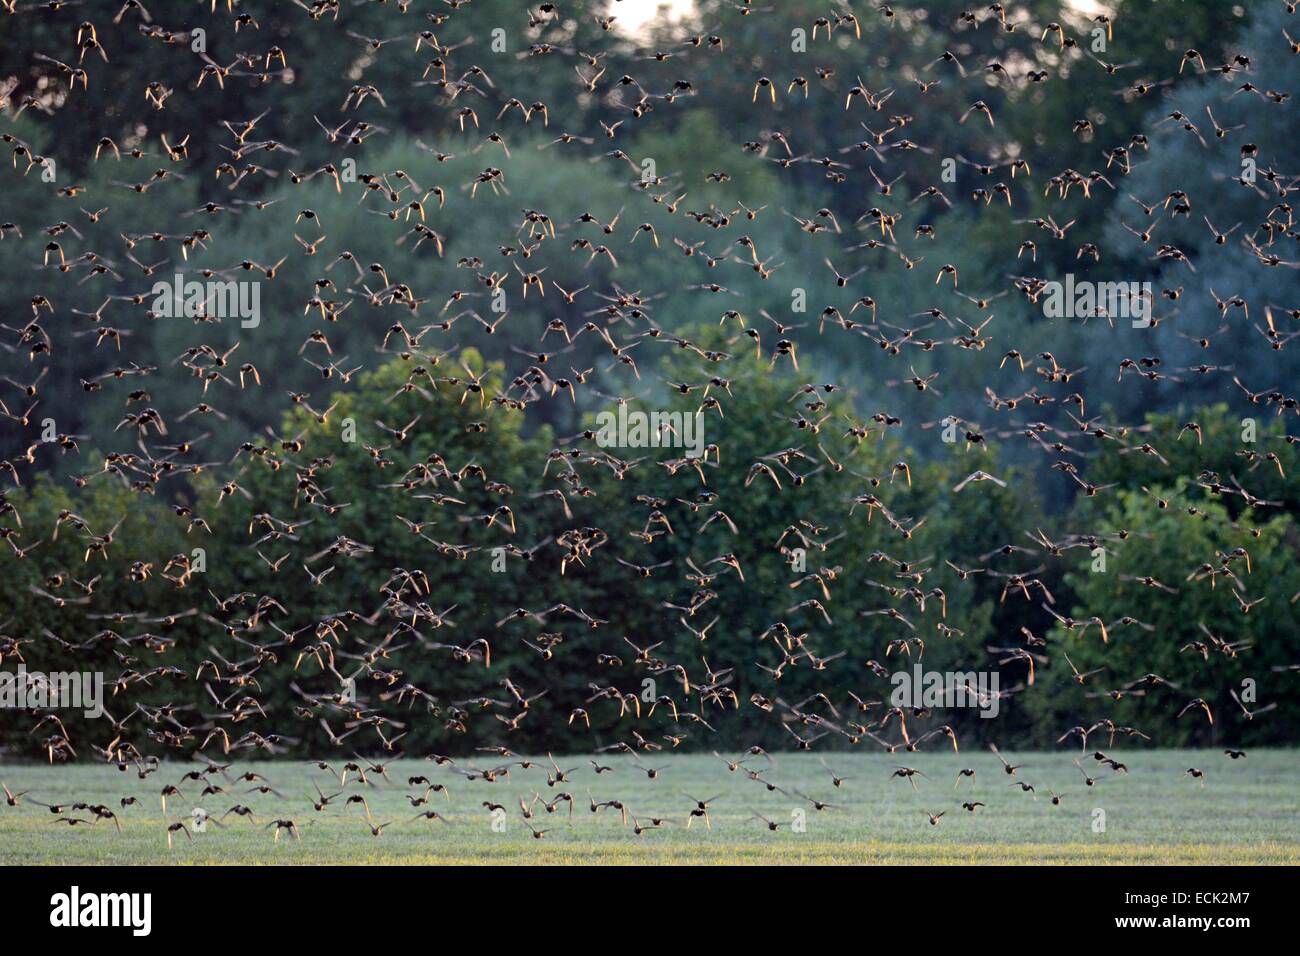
column 260, row 650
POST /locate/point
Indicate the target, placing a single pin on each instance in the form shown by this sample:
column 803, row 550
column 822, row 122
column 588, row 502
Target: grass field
column 1247, row 812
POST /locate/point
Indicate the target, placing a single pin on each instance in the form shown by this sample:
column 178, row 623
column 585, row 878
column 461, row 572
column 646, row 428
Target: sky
column 636, row 13
column 633, row 14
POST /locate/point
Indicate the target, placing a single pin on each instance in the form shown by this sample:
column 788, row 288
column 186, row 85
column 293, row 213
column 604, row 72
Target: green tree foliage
column 301, row 470
column 49, row 586
column 318, row 486
column 1198, row 639
column 1194, row 523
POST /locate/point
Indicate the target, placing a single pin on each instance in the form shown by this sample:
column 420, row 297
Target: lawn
column 1248, row 811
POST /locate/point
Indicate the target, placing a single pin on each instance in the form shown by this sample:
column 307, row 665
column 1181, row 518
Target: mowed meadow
column 1247, row 812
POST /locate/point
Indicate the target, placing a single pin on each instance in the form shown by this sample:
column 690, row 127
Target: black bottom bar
column 337, row 905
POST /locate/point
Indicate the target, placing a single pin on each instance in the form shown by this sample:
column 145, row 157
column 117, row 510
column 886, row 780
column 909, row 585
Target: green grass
column 1246, row 813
